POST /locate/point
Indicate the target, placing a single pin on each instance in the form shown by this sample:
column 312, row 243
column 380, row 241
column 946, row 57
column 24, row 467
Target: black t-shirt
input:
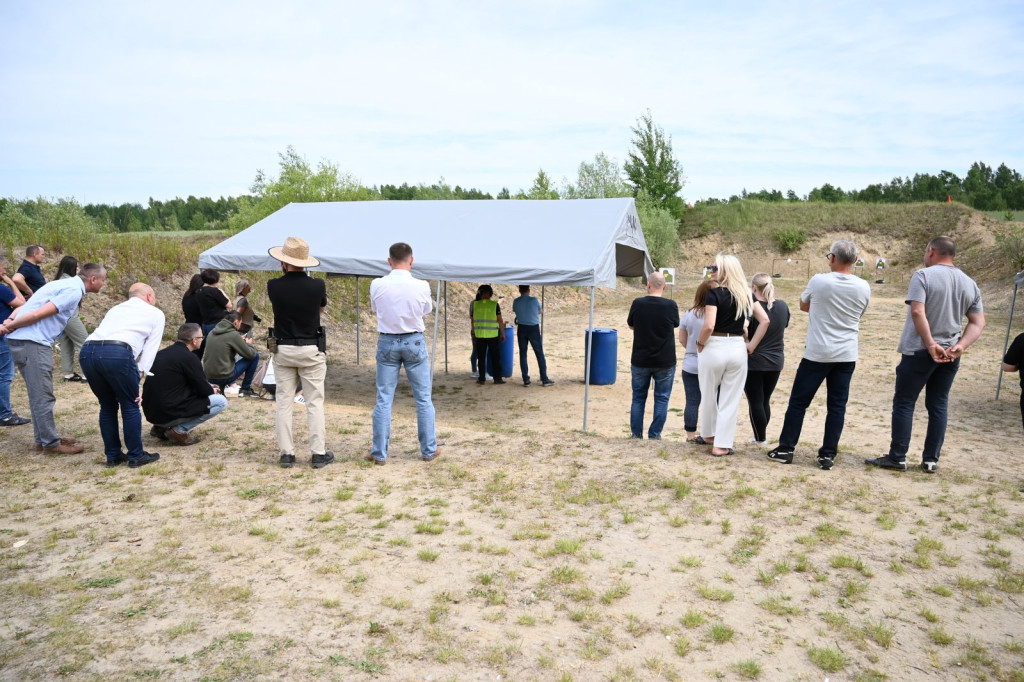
column 213, row 304
column 190, row 306
column 33, row 275
column 769, row 356
column 1015, row 355
column 654, row 320
column 296, row 299
column 725, row 317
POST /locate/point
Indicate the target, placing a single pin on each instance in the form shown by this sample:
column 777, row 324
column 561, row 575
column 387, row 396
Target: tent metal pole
column 1006, row 341
column 446, row 326
column 437, row 313
column 357, row 320
column 542, row 311
column 586, row 370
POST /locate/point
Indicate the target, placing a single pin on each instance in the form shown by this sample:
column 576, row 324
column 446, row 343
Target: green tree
column 652, row 168
column 298, row 182
column 601, row 179
column 540, row 189
column 660, row 229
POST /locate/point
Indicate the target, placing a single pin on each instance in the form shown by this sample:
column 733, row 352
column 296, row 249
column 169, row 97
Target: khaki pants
column 292, row 363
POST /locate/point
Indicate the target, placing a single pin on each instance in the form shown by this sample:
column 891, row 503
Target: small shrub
column 790, row 238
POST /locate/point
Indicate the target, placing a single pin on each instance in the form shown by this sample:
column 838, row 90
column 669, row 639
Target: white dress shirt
column 400, row 301
column 136, row 323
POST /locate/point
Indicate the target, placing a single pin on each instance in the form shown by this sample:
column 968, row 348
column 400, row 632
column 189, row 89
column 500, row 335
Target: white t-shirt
column 837, row 303
column 692, row 324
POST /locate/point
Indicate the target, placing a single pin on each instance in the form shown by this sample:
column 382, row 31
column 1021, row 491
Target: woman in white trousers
column 722, row 349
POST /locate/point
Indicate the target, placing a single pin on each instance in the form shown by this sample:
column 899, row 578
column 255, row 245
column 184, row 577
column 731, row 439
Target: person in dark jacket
column 213, row 303
column 177, row 397
column 222, row 345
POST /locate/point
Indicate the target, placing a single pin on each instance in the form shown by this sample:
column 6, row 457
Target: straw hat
column 294, row 252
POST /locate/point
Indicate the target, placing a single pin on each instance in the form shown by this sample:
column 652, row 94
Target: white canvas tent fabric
column 585, row 242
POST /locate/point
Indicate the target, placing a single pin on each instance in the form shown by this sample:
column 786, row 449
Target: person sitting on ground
column 176, row 396
column 223, row 344
column 73, row 336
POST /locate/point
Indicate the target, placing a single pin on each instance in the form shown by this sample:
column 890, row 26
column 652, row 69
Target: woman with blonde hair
column 689, row 330
column 766, row 360
column 722, row 351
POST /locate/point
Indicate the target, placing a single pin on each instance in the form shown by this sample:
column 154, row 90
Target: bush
column 790, row 238
column 660, row 230
column 1011, row 245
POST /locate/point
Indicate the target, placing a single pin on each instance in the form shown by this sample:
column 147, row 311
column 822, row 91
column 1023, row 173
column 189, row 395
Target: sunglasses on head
column 712, row 268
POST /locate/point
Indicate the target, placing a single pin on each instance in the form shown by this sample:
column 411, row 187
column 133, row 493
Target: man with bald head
column 114, row 358
column 653, row 320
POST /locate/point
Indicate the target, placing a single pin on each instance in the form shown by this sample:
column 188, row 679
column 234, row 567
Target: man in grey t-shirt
column 835, row 301
column 939, row 297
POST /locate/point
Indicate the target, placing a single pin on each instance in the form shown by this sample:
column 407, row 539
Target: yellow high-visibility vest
column 485, row 318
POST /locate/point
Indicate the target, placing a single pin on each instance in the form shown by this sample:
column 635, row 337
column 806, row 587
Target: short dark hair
column 231, row 316
column 485, row 290
column 210, row 276
column 188, row 331
column 524, row 288
column 400, row 251
column 944, row 246
column 32, row 250
column 90, row 270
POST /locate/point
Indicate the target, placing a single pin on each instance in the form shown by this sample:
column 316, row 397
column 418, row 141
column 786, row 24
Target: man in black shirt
column 29, row 276
column 653, row 320
column 298, row 300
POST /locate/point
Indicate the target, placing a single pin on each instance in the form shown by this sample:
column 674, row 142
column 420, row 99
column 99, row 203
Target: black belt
column 296, row 342
column 399, row 334
column 122, row 344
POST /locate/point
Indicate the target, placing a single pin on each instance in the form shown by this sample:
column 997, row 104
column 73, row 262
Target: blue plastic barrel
column 508, row 354
column 604, row 356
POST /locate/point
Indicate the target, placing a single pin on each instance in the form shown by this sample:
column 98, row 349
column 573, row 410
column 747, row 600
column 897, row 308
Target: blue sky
column 122, row 101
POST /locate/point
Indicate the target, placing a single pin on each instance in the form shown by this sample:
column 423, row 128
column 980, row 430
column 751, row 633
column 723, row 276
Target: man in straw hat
column 301, row 353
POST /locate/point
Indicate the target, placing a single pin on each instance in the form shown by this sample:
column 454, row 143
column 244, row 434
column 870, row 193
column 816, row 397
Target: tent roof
column 584, row 242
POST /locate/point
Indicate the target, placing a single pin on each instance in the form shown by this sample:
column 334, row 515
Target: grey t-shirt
column 948, row 294
column 837, row 303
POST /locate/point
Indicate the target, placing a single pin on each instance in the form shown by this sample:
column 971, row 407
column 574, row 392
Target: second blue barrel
column 604, row 356
column 508, row 354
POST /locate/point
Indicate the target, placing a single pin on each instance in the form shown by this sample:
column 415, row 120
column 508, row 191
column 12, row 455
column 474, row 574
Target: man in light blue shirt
column 527, row 315
column 31, row 331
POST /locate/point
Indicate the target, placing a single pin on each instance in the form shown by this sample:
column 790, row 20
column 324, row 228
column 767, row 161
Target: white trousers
column 722, row 372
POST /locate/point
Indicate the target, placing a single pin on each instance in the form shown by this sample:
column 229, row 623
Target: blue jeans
column 691, row 385
column 914, row 373
column 642, row 376
column 809, row 375
column 113, row 377
column 6, row 377
column 217, row 404
column 248, row 368
column 529, row 334
column 393, row 351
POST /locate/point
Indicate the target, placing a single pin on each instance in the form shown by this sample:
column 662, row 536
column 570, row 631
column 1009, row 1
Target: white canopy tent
column 585, row 242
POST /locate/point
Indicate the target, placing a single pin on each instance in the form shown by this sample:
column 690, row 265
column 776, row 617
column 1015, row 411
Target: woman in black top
column 766, row 359
column 722, row 351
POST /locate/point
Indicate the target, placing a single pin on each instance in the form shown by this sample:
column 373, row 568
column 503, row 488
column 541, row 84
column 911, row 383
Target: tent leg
column 437, row 313
column 1006, row 341
column 542, row 311
column 357, row 320
column 586, row 370
column 446, row 326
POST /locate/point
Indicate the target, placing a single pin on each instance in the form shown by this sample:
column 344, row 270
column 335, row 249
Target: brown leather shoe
column 437, row 453
column 66, row 440
column 64, row 449
column 180, row 438
column 378, row 462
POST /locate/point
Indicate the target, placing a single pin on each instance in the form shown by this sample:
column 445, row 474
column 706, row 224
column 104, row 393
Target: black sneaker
column 15, row 420
column 287, row 461
column 121, row 459
column 246, row 393
column 158, row 432
column 146, row 458
column 499, row 381
column 780, row 455
column 526, row 382
column 886, row 463
column 320, row 461
column 825, row 462
column 929, row 467
column 547, row 382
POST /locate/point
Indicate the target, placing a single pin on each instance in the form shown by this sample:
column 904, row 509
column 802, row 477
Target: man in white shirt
column 129, row 330
column 834, row 301
column 400, row 301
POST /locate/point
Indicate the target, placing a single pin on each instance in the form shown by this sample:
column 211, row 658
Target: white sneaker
column 231, row 391
column 475, row 375
column 300, row 399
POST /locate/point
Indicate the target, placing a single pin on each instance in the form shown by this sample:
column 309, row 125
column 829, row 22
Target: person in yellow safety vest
column 488, row 333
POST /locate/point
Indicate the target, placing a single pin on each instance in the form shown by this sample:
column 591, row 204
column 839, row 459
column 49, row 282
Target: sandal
column 75, row 377
column 728, row 451
column 699, row 440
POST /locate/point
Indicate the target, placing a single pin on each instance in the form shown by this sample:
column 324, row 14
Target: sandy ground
column 530, row 549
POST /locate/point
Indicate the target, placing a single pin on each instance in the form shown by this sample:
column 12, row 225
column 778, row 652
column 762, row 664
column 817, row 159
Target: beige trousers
column 292, row 363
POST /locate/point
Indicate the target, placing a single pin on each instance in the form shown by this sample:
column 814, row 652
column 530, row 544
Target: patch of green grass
column 714, row 593
column 940, row 637
column 720, row 633
column 748, row 669
column 692, row 619
column 428, row 555
column 620, row 590
column 880, row 633
column 100, row 583
column 829, row 660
